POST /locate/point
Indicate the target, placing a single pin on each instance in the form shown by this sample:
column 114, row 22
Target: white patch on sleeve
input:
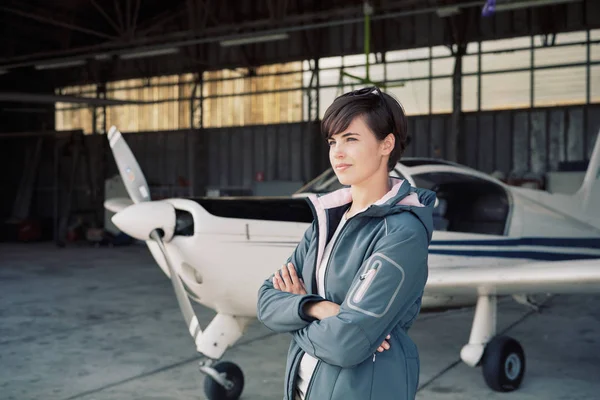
column 377, row 287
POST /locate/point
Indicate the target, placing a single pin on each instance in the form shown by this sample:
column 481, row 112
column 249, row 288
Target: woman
column 353, row 286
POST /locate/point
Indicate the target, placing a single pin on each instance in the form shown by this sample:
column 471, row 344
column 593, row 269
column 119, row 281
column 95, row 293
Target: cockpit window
column 466, row 203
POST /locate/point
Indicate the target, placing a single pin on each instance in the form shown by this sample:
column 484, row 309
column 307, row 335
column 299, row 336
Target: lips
column 342, row 167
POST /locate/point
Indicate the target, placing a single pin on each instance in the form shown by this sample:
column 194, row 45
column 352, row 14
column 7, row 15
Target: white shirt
column 308, row 362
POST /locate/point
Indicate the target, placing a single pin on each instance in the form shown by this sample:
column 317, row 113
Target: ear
column 387, row 146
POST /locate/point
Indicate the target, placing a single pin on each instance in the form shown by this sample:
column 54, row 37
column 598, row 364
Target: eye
column 350, row 139
column 331, row 143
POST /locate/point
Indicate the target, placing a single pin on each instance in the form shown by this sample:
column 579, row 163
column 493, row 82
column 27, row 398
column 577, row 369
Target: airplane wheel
column 214, row 391
column 503, row 364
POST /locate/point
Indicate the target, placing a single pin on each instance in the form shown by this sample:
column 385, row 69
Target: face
column 356, row 154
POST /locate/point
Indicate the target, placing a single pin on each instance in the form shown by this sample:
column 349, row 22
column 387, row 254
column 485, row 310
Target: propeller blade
column 130, row 170
column 138, row 190
column 117, row 204
column 182, row 298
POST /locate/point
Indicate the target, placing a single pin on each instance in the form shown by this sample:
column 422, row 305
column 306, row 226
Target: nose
column 337, row 151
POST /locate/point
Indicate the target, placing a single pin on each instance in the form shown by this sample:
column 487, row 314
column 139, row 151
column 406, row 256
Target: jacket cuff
column 307, row 299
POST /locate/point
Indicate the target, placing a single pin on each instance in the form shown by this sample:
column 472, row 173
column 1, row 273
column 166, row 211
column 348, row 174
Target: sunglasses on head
column 369, row 90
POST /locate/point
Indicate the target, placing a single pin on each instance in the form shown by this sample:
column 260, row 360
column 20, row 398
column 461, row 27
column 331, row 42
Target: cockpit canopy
column 468, row 201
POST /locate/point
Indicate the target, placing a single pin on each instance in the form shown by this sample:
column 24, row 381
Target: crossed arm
column 287, row 280
column 386, row 288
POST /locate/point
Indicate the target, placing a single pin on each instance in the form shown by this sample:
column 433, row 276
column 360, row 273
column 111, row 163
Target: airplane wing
column 556, row 277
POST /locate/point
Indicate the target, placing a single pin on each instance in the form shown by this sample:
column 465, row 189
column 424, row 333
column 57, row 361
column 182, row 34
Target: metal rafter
column 136, row 14
column 119, row 15
column 50, row 21
column 106, row 16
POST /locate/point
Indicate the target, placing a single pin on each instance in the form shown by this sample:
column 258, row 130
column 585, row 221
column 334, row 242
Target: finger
column 292, row 271
column 287, row 281
column 276, row 283
column 385, row 345
column 380, row 349
column 388, row 336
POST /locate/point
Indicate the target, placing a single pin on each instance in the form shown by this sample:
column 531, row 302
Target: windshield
column 328, row 182
column 324, row 183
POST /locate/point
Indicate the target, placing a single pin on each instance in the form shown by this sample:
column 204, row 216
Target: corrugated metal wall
column 183, row 163
column 287, row 152
column 514, row 142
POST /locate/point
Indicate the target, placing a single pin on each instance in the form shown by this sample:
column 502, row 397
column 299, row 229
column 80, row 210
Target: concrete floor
column 102, row 323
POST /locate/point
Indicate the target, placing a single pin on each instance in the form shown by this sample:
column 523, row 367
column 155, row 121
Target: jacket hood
column 401, row 198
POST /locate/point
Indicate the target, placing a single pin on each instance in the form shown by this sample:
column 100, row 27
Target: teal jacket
column 377, row 273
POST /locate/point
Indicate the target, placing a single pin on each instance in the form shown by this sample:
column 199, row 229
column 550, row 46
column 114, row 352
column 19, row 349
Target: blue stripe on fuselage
column 590, row 243
column 533, row 255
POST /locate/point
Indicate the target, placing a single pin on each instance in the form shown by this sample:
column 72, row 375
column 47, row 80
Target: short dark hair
column 382, row 113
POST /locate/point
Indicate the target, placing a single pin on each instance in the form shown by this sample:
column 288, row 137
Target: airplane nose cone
column 139, row 220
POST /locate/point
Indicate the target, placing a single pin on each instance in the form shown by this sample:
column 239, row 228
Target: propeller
column 138, row 190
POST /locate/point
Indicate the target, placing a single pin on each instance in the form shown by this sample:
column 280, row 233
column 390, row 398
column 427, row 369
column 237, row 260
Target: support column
column 455, row 140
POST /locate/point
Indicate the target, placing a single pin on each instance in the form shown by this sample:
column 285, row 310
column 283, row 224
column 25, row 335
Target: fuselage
column 229, row 246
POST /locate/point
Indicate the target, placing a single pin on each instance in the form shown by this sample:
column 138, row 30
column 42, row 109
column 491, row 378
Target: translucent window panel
column 560, row 86
column 358, row 59
column 595, row 52
column 437, row 51
column 469, row 64
column 506, row 60
column 328, row 62
column 469, row 93
column 442, row 66
column 329, row 77
column 407, row 70
column 472, row 48
column 595, row 83
column 72, row 118
column 505, row 90
column 571, row 37
column 359, row 72
column 595, row 34
column 306, row 77
column 414, row 96
column 442, row 95
column 559, row 55
column 267, row 108
column 326, row 98
column 506, row 44
column 411, row 54
column 376, row 74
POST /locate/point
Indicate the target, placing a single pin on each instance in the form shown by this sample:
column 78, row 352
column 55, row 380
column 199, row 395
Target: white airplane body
column 491, row 239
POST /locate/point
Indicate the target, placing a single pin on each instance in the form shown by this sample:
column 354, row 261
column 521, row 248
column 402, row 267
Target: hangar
column 225, row 98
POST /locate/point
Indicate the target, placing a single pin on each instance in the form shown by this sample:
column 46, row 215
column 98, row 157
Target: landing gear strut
column 224, row 380
column 501, row 357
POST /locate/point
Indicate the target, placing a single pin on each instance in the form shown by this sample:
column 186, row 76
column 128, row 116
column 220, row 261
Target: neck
column 368, row 192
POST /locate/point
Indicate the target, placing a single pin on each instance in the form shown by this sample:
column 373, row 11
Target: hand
column 321, row 309
column 385, row 345
column 288, row 281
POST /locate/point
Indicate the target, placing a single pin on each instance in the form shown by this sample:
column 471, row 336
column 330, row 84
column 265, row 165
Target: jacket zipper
column 312, row 379
column 372, row 374
column 316, row 216
column 337, row 240
column 293, row 375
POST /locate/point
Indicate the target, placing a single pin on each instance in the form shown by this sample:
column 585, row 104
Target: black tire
column 214, row 391
column 503, row 364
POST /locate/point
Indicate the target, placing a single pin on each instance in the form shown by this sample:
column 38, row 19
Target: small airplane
column 491, row 240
